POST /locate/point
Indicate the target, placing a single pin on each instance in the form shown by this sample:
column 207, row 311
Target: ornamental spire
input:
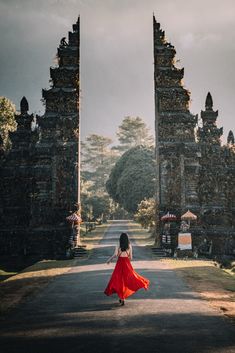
column 230, row 138
column 209, row 102
column 24, row 106
column 209, row 132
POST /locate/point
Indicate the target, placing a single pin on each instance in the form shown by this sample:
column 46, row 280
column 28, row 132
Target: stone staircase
column 158, row 253
column 80, row 251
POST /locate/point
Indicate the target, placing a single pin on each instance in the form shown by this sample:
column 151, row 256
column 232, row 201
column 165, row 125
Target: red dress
column 124, row 280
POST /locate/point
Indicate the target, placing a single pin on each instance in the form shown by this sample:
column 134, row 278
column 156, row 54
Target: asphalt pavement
column 72, row 314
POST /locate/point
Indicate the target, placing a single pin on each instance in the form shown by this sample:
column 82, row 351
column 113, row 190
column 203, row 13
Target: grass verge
column 4, row 274
column 214, row 284
column 16, row 288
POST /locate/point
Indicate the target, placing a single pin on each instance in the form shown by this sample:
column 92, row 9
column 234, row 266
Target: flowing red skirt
column 124, row 280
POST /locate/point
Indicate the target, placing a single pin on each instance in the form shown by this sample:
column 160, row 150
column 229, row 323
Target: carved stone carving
column 169, row 78
column 164, row 61
column 64, row 77
column 63, row 42
column 174, row 100
column 68, row 61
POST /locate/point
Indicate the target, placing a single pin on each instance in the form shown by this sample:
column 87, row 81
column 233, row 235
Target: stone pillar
column 176, row 146
column 16, row 186
column 57, row 157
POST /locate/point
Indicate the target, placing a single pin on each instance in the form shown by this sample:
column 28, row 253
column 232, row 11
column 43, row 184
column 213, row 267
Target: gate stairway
column 79, row 251
column 158, row 253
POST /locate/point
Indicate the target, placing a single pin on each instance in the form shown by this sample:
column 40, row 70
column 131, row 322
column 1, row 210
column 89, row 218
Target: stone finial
column 209, row 102
column 63, row 42
column 230, row 138
column 24, row 106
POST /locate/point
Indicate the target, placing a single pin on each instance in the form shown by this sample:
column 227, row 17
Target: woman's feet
column 122, row 302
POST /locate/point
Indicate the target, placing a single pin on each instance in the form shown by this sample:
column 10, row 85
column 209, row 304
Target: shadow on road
column 165, row 333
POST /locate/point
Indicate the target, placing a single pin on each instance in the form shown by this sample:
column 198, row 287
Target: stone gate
column 39, row 177
column 194, row 170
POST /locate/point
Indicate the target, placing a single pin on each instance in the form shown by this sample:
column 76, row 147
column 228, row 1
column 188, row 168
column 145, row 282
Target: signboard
column 185, row 241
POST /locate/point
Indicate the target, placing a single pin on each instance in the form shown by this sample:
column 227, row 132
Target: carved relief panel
column 175, row 100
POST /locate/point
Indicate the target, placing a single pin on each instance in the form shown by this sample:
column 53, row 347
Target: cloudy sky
column 117, row 55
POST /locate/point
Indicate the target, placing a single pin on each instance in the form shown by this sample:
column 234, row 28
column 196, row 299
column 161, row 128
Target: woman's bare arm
column 130, row 251
column 113, row 256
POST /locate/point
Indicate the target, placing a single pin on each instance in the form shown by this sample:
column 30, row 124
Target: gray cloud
column 116, row 54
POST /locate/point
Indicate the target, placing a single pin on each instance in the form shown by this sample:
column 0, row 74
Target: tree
column 95, row 203
column 133, row 132
column 95, row 207
column 97, row 159
column 132, row 178
column 97, row 162
column 94, row 151
column 146, row 213
column 7, row 121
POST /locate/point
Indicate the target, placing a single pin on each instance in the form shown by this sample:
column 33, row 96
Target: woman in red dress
column 124, row 280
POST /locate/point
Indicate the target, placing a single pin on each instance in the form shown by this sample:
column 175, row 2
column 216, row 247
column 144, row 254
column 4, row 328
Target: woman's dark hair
column 124, row 242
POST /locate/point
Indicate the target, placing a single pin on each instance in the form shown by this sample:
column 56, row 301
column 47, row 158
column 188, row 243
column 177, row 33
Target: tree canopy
column 7, row 121
column 97, row 162
column 146, row 213
column 97, row 159
column 95, row 150
column 132, row 178
column 133, row 132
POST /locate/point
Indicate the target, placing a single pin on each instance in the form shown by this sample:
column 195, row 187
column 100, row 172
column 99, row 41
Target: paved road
column 72, row 315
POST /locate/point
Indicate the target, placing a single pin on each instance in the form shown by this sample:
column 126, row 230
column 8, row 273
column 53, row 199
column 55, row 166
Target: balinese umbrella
column 74, row 218
column 169, row 217
column 188, row 216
